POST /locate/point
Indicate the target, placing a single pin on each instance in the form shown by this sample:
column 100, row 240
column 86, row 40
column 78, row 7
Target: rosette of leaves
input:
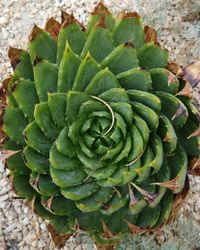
column 98, row 127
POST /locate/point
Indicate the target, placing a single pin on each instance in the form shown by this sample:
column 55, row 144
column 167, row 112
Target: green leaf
column 90, row 107
column 26, row 88
column 173, row 108
column 178, row 164
column 100, row 12
column 88, row 221
column 137, row 144
column 44, row 120
column 142, row 128
column 86, row 71
column 57, row 106
column 145, row 98
column 162, row 175
column 40, row 210
column 44, row 184
column 120, row 123
column 11, row 102
column 152, row 56
column 146, row 113
column 95, row 201
column 59, row 205
column 147, row 157
column 115, row 95
column 129, row 28
column 148, row 217
column 72, row 34
column 60, row 223
column 71, row 62
column 102, row 172
column 164, row 80
column 69, row 178
column 36, row 139
column 46, row 75
column 24, row 67
column 135, row 79
column 42, row 46
column 35, row 161
column 166, row 207
column 10, row 144
column 124, row 110
column 61, row 161
column 14, row 124
column 101, row 82
column 190, row 145
column 121, row 59
column 64, row 143
column 21, row 186
column 167, row 133
column 79, row 192
column 117, row 201
column 15, row 163
column 74, row 101
column 125, row 150
column 119, row 225
column 88, row 162
column 99, row 43
column 155, row 163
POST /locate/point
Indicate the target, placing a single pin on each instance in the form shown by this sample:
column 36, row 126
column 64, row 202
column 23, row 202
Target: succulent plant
column 98, row 127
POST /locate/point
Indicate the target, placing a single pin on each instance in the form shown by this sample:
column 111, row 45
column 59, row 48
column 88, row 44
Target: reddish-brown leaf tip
column 125, row 14
column 150, row 34
column 186, row 91
column 101, row 23
column 64, row 16
column 100, row 9
column 191, row 73
column 34, row 33
column 174, row 68
column 194, row 166
column 52, row 26
column 14, row 56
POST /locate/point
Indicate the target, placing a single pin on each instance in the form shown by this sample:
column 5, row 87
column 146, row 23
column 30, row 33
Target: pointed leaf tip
column 47, row 204
column 180, row 111
column 64, row 16
column 149, row 197
column 14, row 56
column 125, row 14
column 150, row 34
column 195, row 133
column 174, row 68
column 100, row 9
column 173, row 185
column 191, row 73
column 186, row 91
column 107, row 233
column 34, row 33
column 68, row 19
column 135, row 230
column 101, row 23
column 52, row 26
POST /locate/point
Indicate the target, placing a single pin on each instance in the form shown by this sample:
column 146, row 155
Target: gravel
column 178, row 28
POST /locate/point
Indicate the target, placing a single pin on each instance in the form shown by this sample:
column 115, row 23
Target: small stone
column 26, row 221
column 3, row 20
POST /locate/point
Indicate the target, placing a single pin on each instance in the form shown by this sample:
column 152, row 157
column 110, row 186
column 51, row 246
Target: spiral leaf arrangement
column 98, row 126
